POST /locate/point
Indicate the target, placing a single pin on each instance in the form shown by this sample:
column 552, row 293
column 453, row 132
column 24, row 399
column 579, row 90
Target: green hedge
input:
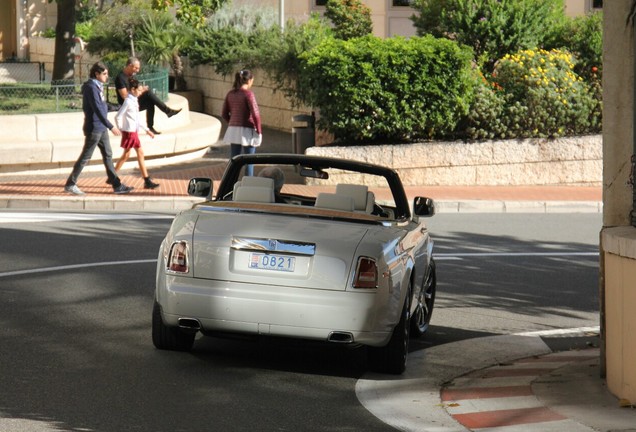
column 375, row 90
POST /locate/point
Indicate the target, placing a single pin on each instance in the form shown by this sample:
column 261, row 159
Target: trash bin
column 303, row 137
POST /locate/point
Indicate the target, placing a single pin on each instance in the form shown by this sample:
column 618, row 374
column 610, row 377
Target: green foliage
column 160, row 38
column 492, row 28
column 249, row 37
column 535, row 93
column 49, row 33
column 85, row 12
column 112, row 29
column 283, row 63
column 350, row 18
column 583, row 37
column 192, row 13
column 370, row 89
column 244, row 18
column 84, row 30
column 241, row 38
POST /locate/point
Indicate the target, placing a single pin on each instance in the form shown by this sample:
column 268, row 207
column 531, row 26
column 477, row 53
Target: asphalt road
column 76, row 298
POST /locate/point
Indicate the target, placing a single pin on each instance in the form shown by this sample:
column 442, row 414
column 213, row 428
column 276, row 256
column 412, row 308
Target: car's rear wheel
column 425, row 301
column 392, row 357
column 169, row 338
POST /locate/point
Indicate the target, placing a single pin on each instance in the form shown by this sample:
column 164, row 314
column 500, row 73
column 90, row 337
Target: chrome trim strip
column 273, row 245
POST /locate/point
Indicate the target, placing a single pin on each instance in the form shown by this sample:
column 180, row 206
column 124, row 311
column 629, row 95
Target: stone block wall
column 575, row 161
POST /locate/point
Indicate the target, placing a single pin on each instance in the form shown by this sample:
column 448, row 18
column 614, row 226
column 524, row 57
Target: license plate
column 272, row 262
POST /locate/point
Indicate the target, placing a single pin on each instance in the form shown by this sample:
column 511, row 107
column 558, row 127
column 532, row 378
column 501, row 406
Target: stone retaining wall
column 574, row 161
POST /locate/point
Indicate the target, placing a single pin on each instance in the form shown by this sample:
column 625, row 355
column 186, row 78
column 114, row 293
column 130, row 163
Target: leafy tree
column 350, row 18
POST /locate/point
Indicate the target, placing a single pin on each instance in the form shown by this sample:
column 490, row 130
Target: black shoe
column 172, row 112
column 154, row 131
column 149, row 184
column 122, row 189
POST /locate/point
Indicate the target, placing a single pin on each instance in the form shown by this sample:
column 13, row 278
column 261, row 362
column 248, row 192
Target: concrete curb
column 413, row 403
column 178, row 203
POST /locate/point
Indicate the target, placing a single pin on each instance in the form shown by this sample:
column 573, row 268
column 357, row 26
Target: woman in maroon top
column 240, row 110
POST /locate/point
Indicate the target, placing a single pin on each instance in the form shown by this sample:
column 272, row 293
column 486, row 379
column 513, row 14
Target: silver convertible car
column 307, row 247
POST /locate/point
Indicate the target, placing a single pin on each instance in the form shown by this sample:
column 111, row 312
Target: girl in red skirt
column 129, row 122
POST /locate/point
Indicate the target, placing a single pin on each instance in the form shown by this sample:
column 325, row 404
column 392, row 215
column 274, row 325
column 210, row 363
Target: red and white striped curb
column 501, row 399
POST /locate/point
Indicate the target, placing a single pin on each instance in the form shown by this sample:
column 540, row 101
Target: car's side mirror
column 423, row 206
column 200, row 187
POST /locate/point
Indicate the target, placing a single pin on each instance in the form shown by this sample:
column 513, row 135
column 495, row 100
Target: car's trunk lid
column 277, row 250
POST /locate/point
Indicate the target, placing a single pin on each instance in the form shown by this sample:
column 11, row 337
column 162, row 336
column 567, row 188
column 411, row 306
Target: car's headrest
column 254, row 194
column 363, row 199
column 334, row 202
column 257, row 181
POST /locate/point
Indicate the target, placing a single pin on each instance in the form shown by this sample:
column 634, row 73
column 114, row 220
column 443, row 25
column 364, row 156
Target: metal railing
column 36, row 96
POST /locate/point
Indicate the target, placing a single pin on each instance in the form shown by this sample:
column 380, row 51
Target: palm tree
column 161, row 40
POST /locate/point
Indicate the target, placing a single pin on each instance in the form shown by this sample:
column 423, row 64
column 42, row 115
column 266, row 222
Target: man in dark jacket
column 148, row 99
column 96, row 127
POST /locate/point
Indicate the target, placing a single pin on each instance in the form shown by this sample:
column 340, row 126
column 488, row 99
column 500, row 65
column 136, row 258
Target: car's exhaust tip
column 189, row 324
column 340, row 337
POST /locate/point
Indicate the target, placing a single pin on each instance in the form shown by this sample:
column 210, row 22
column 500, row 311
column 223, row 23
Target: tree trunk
column 64, row 58
column 177, row 67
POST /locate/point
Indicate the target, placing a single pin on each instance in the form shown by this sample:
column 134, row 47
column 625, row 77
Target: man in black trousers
column 96, row 127
column 148, row 99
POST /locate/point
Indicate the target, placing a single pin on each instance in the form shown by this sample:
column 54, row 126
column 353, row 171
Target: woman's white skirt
column 243, row 136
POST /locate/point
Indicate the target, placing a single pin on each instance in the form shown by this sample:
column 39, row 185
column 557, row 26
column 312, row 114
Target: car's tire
column 425, row 302
column 392, row 357
column 169, row 338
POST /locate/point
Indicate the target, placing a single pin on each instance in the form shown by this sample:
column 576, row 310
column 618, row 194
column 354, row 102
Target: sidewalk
column 46, row 191
column 507, row 383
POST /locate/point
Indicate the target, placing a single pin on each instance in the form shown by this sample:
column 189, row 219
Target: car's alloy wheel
column 425, row 302
column 169, row 338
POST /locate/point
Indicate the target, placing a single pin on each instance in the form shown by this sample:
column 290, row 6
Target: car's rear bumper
column 221, row 306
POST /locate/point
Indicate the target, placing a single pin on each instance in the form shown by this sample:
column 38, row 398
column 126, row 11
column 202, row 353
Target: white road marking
column 562, row 332
column 459, row 256
column 30, row 217
column 73, row 266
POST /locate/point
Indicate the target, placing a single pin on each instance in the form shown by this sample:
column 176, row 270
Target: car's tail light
column 178, row 257
column 366, row 274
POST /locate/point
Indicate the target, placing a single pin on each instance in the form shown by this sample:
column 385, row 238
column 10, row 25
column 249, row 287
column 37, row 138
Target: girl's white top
column 128, row 118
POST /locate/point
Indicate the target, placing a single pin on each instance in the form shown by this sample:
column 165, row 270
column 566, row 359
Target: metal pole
column 281, row 14
column 633, row 160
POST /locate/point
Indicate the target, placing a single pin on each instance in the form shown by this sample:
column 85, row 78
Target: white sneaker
column 73, row 189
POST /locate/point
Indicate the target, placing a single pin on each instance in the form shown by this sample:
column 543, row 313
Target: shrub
column 541, row 96
column 350, row 18
column 247, row 38
column 112, row 29
column 583, row 37
column 282, row 61
column 235, row 38
column 493, row 28
column 371, row 89
column 485, row 119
